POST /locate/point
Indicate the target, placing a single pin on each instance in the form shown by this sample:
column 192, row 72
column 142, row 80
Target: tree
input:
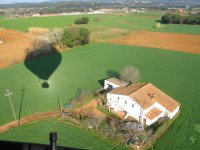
column 84, row 36
column 130, row 74
column 55, row 35
column 69, row 37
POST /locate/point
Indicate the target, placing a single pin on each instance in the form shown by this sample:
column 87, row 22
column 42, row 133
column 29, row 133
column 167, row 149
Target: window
column 110, row 87
column 132, row 105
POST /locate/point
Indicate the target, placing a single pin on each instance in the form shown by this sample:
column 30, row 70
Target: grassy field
column 132, row 22
column 68, row 135
column 175, row 73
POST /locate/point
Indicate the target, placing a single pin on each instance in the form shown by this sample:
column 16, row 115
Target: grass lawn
column 175, row 73
column 68, row 135
column 132, row 22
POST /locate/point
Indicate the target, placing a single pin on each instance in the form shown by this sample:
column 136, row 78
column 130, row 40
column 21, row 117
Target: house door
column 140, row 118
column 144, row 121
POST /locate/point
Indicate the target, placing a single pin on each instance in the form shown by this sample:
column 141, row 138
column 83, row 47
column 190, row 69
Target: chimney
column 153, row 96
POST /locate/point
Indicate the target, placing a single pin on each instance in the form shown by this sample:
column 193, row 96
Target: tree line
column 170, row 18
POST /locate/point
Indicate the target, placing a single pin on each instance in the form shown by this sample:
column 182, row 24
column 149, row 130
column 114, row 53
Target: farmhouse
column 142, row 101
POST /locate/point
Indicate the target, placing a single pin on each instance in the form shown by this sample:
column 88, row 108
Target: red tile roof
column 117, row 82
column 146, row 95
column 153, row 113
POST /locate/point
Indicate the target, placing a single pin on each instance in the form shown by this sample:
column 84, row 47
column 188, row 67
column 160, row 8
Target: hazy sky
column 19, row 1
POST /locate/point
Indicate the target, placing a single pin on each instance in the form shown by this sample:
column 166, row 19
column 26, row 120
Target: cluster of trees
column 57, row 39
column 75, row 36
column 180, row 19
column 83, row 20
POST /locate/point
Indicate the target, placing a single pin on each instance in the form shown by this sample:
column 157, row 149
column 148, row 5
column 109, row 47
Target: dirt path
column 170, row 41
column 28, row 119
column 90, row 108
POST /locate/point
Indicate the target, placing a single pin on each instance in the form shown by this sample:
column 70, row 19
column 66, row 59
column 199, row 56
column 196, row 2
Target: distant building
column 142, row 101
column 36, row 15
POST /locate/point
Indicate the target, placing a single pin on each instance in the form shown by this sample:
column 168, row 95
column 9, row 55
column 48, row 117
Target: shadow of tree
column 112, row 74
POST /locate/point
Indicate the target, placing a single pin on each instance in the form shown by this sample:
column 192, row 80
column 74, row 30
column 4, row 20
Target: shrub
column 83, row 20
column 82, row 94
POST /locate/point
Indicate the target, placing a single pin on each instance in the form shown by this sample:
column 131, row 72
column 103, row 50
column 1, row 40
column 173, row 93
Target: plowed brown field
column 170, row 41
column 13, row 46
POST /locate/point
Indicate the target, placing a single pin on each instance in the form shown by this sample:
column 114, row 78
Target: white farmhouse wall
column 172, row 114
column 124, row 103
column 133, row 109
column 107, row 83
column 113, row 102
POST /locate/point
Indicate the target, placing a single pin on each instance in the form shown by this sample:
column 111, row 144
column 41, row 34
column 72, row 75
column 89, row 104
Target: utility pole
column 9, row 93
column 60, row 104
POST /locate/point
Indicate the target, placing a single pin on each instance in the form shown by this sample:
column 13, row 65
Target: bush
column 83, row 20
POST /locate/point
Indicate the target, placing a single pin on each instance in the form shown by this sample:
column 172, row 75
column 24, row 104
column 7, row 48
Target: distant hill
column 138, row 1
column 53, row 3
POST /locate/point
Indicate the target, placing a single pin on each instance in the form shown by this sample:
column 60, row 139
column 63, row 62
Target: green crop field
column 68, row 135
column 173, row 72
column 132, row 22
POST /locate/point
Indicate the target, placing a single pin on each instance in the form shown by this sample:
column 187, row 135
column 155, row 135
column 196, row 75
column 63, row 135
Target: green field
column 132, row 22
column 173, row 72
column 68, row 135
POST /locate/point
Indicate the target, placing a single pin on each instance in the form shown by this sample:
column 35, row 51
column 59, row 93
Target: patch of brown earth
column 13, row 46
column 91, row 109
column 170, row 41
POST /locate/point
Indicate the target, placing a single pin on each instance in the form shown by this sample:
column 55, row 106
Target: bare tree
column 81, row 94
column 130, row 74
column 55, row 35
column 41, row 46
